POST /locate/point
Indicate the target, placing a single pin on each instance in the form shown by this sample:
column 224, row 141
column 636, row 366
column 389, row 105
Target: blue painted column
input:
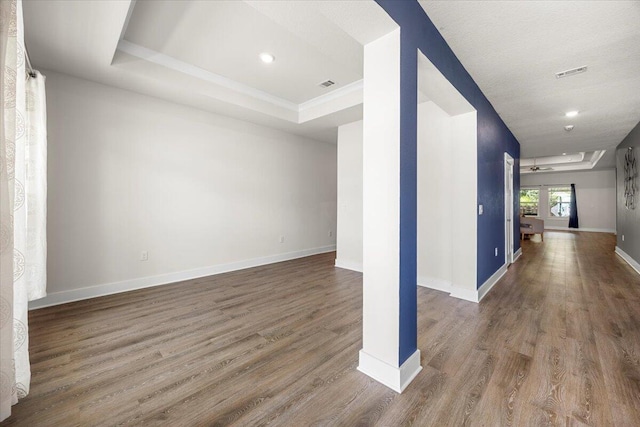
column 389, row 352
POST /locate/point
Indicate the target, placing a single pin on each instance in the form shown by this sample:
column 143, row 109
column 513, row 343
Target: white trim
column 591, row 230
column 509, row 233
column 490, row 282
column 335, row 94
column 200, row 73
column 517, row 254
column 396, row 378
column 436, row 284
column 476, row 296
column 468, row 294
column 465, row 294
column 349, row 265
column 127, row 19
column 560, row 164
column 625, row 256
column 64, row 297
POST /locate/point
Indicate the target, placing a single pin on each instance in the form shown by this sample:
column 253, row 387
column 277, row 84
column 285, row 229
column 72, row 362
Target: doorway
column 508, row 209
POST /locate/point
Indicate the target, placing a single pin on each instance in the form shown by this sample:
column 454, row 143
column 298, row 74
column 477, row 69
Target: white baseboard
column 433, row 283
column 592, row 230
column 625, row 256
column 448, row 287
column 491, row 281
column 463, row 293
column 396, row 378
column 517, row 254
column 64, row 297
column 349, row 265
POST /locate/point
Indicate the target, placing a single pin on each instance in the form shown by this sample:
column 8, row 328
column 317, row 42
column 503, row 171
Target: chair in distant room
column 531, row 226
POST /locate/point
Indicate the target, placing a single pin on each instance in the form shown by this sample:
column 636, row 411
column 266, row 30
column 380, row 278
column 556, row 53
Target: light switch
column 480, row 209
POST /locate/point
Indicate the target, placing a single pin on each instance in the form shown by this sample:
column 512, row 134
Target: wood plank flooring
column 556, row 342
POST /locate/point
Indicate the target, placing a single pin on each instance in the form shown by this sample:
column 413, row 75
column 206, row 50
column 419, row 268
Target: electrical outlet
column 144, row 256
column 330, row 233
column 480, row 209
column 496, row 251
column 281, row 240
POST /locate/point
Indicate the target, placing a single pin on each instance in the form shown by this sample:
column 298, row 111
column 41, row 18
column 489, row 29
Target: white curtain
column 22, row 204
column 35, row 207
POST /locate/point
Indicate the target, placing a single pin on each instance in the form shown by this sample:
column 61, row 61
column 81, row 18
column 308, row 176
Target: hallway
column 556, row 342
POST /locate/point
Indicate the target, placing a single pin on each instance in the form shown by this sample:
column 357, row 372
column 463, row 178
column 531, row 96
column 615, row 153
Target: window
column 560, row 201
column 529, row 198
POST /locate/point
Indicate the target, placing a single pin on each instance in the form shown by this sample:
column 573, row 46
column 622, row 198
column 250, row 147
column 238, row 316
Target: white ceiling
column 514, row 48
column 204, row 54
column 226, row 38
column 562, row 163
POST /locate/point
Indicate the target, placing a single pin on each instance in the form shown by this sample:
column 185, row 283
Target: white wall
column 435, row 246
column 464, row 222
column 349, row 234
column 201, row 193
column 628, row 220
column 446, row 224
column 595, row 191
column 447, row 164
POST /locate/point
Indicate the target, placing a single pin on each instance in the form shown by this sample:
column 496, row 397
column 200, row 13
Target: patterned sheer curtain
column 23, row 195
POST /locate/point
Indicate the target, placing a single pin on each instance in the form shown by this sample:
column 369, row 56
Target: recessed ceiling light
column 267, row 58
column 568, row 128
column 564, row 154
column 571, row 113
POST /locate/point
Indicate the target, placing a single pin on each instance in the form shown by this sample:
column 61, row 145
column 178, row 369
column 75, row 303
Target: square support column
column 389, row 352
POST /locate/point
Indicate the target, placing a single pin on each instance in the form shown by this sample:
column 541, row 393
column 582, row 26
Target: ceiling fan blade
column 538, row 168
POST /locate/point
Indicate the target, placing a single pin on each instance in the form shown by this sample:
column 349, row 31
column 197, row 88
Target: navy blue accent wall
column 408, row 200
column 494, row 138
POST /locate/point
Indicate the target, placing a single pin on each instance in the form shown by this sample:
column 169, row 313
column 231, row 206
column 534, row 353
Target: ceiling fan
column 535, row 168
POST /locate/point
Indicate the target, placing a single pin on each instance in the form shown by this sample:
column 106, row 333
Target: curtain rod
column 28, row 69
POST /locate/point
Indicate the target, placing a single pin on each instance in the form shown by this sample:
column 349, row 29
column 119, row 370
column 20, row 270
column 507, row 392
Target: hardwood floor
column 556, row 342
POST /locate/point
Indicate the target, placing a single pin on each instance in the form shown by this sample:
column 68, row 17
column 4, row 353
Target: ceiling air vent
column 571, row 72
column 327, row 83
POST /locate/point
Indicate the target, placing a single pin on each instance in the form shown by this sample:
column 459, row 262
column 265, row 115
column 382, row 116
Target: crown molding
column 202, row 74
column 582, row 165
column 167, row 61
column 333, row 95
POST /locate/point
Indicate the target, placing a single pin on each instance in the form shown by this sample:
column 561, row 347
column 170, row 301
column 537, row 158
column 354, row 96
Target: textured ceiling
column 513, row 49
